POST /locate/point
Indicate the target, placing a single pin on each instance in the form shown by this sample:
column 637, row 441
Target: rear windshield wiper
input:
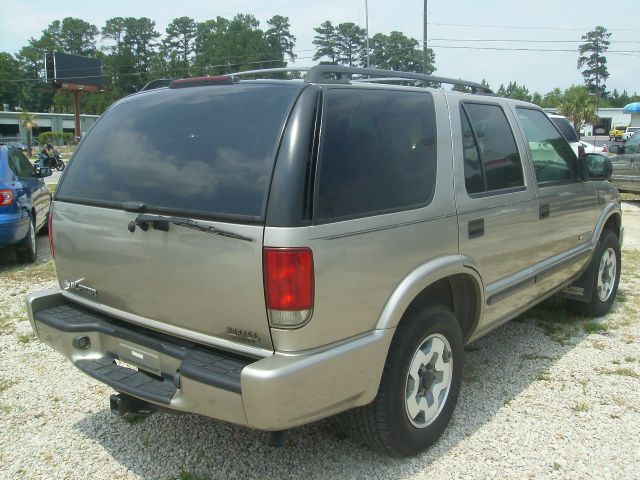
column 159, row 222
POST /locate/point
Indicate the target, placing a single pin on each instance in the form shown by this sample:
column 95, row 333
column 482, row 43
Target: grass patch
column 544, row 376
column 624, row 372
column 595, row 327
column 26, row 338
column 580, row 407
column 4, row 408
column 630, row 359
column 134, row 419
column 533, row 356
column 471, row 375
column 6, row 384
column 42, row 272
column 185, row 475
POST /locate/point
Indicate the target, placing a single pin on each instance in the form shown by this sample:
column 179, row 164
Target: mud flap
column 582, row 289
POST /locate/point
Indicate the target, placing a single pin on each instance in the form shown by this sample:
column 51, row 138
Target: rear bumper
column 273, row 393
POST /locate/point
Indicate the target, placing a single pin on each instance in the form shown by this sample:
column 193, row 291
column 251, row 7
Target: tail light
column 288, row 286
column 604, row 148
column 50, row 225
column 6, row 197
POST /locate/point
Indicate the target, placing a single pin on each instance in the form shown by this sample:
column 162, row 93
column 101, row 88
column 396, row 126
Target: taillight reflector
column 288, row 285
column 6, row 197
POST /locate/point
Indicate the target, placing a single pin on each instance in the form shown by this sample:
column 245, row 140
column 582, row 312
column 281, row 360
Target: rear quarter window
column 207, row 150
column 377, row 153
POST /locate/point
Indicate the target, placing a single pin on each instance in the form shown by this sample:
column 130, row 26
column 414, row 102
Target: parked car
column 24, row 203
column 592, row 148
column 568, row 132
column 18, row 145
column 616, row 133
column 629, row 132
column 626, row 164
column 283, row 251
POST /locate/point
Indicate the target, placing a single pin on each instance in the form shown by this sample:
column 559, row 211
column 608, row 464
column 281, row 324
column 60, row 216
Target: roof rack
column 319, row 73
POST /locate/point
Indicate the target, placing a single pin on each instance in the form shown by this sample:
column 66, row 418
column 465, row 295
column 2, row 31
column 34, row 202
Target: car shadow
column 9, row 261
column 498, row 368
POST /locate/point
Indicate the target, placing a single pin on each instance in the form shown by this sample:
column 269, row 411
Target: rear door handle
column 544, row 211
column 476, row 228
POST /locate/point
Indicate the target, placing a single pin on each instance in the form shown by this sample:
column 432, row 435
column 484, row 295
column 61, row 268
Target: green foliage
column 552, row 99
column 56, row 138
column 578, row 106
column 399, row 52
column 343, row 44
column 592, row 55
column 10, row 75
column 515, row 91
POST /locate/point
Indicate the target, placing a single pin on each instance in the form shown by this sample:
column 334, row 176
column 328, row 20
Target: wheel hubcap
column 606, row 274
column 428, row 380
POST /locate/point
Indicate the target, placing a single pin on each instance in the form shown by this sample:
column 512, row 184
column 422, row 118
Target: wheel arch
column 445, row 281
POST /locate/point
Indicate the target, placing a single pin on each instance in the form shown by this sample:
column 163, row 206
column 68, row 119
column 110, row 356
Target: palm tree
column 578, row 106
column 28, row 121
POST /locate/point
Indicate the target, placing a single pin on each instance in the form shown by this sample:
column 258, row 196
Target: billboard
column 73, row 71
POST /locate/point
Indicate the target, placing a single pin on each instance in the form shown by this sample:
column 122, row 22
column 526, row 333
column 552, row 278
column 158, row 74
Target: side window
column 20, row 165
column 491, row 158
column 632, row 145
column 553, row 159
column 377, row 153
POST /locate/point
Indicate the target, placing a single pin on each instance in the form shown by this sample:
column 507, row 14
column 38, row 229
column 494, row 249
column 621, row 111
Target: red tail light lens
column 289, row 285
column 50, row 225
column 6, row 197
column 604, row 148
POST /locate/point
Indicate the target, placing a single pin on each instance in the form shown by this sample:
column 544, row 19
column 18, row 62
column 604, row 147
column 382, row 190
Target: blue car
column 24, row 202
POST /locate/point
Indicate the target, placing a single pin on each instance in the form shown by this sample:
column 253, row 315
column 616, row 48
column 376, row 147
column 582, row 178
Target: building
column 609, row 117
column 11, row 129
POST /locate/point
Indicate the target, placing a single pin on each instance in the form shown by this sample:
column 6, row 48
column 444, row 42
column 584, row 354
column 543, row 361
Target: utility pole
column 424, row 39
column 366, row 14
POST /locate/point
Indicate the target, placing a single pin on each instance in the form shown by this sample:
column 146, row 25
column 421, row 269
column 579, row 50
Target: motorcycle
column 57, row 161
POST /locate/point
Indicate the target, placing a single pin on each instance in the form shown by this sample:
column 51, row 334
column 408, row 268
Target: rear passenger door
column 568, row 211
column 497, row 206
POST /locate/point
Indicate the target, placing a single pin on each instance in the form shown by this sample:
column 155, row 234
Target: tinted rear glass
column 203, row 149
column 566, row 129
column 378, row 152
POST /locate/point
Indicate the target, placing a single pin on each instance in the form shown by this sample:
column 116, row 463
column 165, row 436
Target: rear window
column 565, row 127
column 202, row 150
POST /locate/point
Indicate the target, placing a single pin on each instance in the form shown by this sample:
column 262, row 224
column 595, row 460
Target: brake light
column 6, row 197
column 288, row 286
column 604, row 148
column 50, row 225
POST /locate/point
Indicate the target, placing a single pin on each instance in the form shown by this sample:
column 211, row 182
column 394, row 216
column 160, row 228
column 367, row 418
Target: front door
column 497, row 206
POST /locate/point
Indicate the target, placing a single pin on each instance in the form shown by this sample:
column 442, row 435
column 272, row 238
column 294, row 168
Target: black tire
column 60, row 165
column 601, row 302
column 44, row 229
column 385, row 424
column 27, row 251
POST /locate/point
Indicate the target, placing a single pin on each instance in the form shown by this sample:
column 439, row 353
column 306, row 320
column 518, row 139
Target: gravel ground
column 549, row 395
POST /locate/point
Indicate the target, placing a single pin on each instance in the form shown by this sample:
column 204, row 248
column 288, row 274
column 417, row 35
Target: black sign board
column 65, row 69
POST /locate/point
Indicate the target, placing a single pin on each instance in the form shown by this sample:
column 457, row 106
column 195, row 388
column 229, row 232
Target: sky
column 472, row 40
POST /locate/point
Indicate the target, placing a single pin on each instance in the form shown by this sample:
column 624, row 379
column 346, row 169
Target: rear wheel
column 27, row 250
column 419, row 387
column 606, row 275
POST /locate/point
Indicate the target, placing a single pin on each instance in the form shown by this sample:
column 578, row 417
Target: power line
column 519, row 41
column 515, row 27
column 524, row 49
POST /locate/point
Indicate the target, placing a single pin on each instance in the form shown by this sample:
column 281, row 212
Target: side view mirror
column 617, row 149
column 598, row 166
column 43, row 172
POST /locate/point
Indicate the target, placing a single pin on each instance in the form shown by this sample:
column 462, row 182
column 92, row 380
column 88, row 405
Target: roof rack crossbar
column 317, row 73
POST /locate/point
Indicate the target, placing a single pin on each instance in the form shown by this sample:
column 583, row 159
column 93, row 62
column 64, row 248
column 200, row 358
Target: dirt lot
column 549, row 395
